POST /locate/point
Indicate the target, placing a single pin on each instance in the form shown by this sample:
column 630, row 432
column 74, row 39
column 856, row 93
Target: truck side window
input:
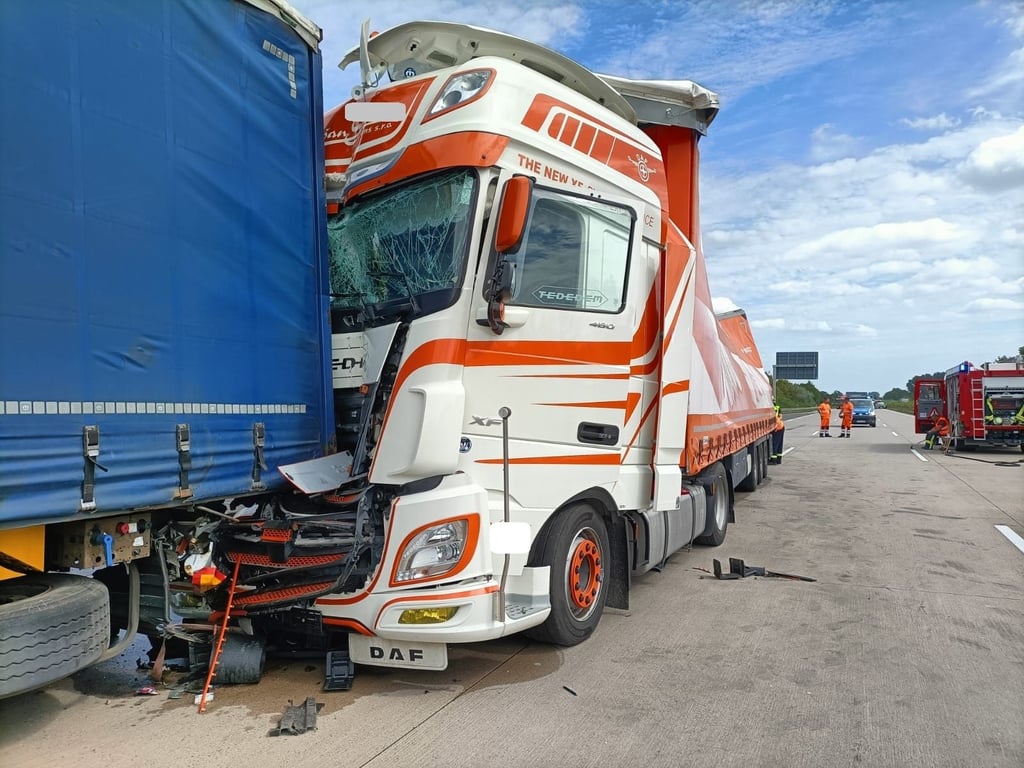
column 574, row 255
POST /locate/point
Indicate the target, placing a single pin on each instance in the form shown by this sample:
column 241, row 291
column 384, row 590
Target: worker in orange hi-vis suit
column 825, row 411
column 846, row 413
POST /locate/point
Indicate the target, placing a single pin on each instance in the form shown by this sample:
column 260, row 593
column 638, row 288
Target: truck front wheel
column 576, row 549
column 51, row 625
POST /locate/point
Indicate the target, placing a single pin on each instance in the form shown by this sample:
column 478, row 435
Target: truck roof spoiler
column 417, row 47
column 681, row 103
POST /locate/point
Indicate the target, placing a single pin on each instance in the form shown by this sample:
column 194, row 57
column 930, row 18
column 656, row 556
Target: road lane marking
column 895, row 434
column 922, row 458
column 1009, row 533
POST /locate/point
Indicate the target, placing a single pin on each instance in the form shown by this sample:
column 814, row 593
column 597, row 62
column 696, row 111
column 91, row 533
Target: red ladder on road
column 215, row 656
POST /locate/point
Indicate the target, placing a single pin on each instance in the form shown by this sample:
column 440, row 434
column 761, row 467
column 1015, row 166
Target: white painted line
column 894, row 434
column 1009, row 533
column 922, row 458
column 787, row 450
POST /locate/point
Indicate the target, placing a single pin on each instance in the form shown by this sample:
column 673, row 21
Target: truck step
column 519, row 607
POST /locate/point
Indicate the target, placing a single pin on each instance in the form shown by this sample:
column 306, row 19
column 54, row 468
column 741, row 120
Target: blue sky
column 862, row 188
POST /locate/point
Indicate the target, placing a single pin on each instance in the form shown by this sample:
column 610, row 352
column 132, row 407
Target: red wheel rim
column 585, row 571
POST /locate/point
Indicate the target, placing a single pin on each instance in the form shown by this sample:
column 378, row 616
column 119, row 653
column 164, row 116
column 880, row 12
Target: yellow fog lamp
column 427, row 615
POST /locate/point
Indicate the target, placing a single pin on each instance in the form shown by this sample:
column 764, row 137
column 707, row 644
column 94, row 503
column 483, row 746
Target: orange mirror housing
column 513, row 213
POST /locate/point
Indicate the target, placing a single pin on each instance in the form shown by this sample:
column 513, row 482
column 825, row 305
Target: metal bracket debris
column 740, row 570
column 298, row 719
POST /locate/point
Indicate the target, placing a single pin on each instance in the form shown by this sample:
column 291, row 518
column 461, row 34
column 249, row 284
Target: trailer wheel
column 51, row 625
column 718, row 501
column 576, row 549
column 749, row 483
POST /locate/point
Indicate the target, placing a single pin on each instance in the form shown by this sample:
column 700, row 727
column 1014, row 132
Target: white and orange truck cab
column 534, row 397
column 470, row 387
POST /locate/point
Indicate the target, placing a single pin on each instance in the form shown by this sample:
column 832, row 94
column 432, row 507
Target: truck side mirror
column 512, row 214
column 500, row 287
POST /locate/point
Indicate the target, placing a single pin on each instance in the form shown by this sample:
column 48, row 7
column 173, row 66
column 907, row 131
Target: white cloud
column 997, row 163
column 940, row 122
column 994, row 305
column 829, row 144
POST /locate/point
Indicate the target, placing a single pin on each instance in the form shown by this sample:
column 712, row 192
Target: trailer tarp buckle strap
column 91, row 451
column 259, row 464
column 183, row 437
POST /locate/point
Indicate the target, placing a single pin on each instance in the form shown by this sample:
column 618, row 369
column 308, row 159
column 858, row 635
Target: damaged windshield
column 403, row 250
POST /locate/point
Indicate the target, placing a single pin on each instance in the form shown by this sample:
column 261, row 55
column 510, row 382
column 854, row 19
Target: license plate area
column 378, row 652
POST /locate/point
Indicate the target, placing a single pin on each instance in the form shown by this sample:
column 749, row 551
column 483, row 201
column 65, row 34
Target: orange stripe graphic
column 487, row 353
column 586, row 376
column 615, row 404
column 632, row 401
column 675, row 386
column 588, row 459
column 476, row 149
column 610, row 146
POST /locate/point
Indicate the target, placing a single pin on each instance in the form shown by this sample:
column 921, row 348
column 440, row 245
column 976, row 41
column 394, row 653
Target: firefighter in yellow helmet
column 778, row 434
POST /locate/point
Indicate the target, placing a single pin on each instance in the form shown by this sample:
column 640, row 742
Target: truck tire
column 577, row 550
column 718, row 503
column 51, row 625
column 749, row 483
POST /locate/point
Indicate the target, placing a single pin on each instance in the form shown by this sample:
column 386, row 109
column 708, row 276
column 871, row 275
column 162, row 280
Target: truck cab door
column 550, row 338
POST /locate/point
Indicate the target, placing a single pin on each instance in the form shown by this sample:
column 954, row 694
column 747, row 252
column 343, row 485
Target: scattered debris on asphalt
column 740, row 570
column 298, row 718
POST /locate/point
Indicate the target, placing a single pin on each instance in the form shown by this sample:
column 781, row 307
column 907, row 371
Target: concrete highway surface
column 907, row 650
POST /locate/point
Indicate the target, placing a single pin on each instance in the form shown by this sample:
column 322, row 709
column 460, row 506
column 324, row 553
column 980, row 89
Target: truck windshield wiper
column 409, row 293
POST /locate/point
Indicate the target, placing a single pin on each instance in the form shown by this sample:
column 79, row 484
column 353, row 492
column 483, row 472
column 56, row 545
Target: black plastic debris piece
column 740, row 570
column 338, row 671
column 297, row 718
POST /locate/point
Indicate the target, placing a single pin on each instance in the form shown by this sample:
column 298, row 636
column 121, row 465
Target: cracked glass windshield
column 403, row 250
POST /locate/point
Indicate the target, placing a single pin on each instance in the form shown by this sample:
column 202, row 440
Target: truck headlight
column 460, row 90
column 433, row 551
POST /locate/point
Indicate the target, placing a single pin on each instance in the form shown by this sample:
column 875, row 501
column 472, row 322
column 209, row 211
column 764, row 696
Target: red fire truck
column 984, row 404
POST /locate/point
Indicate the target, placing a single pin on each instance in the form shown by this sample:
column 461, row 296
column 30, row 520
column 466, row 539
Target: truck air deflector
column 413, row 49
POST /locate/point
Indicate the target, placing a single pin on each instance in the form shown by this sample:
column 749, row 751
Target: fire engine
column 984, row 404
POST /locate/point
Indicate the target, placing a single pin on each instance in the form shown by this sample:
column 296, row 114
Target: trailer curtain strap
column 91, row 452
column 183, row 438
column 259, row 463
